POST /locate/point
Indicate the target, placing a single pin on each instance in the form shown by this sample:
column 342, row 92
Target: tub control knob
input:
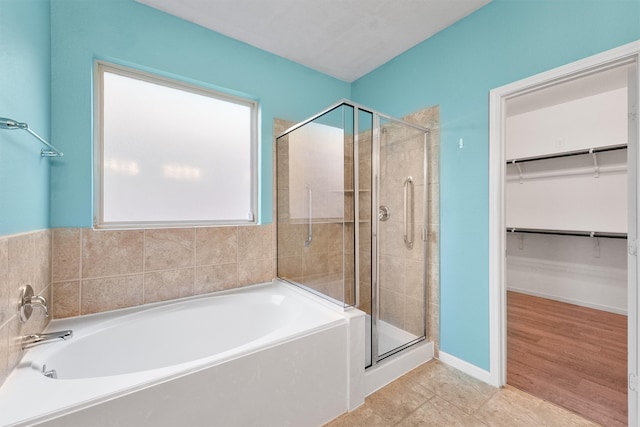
column 27, row 300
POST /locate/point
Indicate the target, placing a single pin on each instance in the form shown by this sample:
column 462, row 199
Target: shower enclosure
column 351, row 219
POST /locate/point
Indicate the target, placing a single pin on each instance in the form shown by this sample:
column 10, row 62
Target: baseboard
column 466, row 367
column 601, row 307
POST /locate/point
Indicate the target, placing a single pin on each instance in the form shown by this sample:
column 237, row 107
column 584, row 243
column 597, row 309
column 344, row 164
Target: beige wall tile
column 4, row 353
column 365, row 298
column 24, row 258
column 433, row 279
column 66, row 299
column 4, row 284
column 42, row 260
column 291, row 239
column 316, row 263
column 216, row 278
column 66, row 254
column 169, row 248
column 392, row 273
column 365, row 267
column 414, row 316
column 392, row 307
column 433, row 324
column 414, row 279
column 217, row 245
column 255, row 242
column 255, row 271
column 433, row 237
column 21, row 261
column 291, row 267
column 319, row 239
column 111, row 293
column 336, row 236
column 110, row 253
column 168, row 284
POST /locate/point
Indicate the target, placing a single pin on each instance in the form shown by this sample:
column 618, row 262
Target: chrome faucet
column 27, row 301
column 33, row 340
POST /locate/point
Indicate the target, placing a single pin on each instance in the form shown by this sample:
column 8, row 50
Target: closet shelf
column 568, row 154
column 604, row 234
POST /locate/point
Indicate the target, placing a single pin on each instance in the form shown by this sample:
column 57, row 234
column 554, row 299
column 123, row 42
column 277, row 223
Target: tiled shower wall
column 24, row 259
column 430, row 118
column 95, row 271
column 318, row 266
column 323, row 264
column 400, row 281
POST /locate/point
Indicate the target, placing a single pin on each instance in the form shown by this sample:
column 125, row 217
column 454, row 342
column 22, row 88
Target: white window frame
column 100, row 67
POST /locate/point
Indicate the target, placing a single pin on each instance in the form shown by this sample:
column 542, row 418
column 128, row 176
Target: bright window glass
column 171, row 153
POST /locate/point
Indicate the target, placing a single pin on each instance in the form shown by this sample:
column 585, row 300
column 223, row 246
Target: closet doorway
column 563, row 230
column 566, row 234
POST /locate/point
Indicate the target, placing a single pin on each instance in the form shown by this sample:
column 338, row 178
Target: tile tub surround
column 430, row 118
column 100, row 270
column 24, row 259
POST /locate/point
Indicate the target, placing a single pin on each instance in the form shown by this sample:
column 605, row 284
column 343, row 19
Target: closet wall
column 552, row 190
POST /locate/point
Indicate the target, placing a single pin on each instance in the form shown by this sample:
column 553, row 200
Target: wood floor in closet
column 573, row 356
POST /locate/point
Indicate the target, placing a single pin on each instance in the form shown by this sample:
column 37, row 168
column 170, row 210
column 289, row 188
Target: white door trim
column 497, row 239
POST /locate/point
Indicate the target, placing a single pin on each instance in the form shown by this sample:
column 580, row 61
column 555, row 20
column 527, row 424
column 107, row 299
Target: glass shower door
column 314, row 182
column 400, row 249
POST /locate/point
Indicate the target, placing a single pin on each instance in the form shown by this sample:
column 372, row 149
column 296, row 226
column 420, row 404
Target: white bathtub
column 263, row 355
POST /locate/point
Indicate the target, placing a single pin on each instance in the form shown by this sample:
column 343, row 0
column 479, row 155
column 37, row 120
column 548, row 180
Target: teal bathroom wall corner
column 503, row 42
column 25, row 58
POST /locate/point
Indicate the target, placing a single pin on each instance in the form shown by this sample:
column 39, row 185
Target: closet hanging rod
column 568, row 233
column 568, row 154
column 13, row 125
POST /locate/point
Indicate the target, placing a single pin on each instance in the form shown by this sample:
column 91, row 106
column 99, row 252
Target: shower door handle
column 309, row 226
column 408, row 212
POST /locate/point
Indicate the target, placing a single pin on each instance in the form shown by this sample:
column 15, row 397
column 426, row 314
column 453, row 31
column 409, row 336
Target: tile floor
column 435, row 394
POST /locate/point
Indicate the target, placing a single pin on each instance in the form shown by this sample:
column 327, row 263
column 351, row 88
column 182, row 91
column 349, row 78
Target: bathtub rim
column 145, row 379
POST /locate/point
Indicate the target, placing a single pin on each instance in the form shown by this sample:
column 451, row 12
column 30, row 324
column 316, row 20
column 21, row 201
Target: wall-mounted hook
column 596, row 167
column 596, row 245
column 519, row 171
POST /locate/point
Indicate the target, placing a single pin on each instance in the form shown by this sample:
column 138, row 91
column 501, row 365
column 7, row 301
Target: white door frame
column 497, row 239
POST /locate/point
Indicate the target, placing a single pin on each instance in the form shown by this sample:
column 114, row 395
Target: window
column 170, row 153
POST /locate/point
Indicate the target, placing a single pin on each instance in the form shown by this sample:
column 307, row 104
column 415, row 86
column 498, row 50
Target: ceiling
column 345, row 39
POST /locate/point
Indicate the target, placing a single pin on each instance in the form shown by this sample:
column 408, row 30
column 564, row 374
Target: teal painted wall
column 24, row 96
column 502, row 42
column 130, row 33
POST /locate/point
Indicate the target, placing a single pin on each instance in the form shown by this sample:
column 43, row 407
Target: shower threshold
column 389, row 338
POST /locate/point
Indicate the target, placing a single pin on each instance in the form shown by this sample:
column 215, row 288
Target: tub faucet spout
column 33, row 340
